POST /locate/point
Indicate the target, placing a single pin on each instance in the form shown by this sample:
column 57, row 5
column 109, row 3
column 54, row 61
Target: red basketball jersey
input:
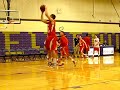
column 83, row 43
column 51, row 29
column 63, row 41
column 87, row 40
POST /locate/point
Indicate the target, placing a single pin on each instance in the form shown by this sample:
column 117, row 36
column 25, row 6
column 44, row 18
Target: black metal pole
column 8, row 8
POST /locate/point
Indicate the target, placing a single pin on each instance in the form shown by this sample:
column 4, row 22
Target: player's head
column 61, row 33
column 95, row 36
column 77, row 36
column 80, row 37
column 87, row 34
column 53, row 16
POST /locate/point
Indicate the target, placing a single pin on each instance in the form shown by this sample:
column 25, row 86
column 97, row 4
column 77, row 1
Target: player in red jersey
column 83, row 46
column 51, row 40
column 87, row 40
column 64, row 50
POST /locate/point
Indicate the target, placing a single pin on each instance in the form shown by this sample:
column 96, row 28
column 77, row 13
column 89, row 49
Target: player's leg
column 73, row 60
column 54, row 55
column 78, row 50
column 98, row 51
column 47, row 46
column 81, row 51
column 53, row 45
column 62, row 57
column 86, row 51
column 75, row 51
column 49, row 58
column 66, row 51
column 93, row 51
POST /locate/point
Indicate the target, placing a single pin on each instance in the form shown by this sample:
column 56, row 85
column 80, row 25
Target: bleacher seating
column 21, row 45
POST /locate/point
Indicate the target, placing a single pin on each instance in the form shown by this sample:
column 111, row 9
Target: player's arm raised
column 48, row 16
column 42, row 19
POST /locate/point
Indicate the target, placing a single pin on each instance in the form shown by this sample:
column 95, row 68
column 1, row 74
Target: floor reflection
column 90, row 73
column 108, row 60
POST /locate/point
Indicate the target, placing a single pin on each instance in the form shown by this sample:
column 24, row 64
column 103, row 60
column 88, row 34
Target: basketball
column 42, row 8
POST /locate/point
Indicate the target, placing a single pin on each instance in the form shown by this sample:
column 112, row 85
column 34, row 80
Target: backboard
column 9, row 17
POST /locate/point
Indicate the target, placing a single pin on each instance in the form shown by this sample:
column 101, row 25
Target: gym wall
column 73, row 10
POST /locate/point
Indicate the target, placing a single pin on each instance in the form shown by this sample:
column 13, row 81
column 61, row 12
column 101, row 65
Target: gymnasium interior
column 23, row 63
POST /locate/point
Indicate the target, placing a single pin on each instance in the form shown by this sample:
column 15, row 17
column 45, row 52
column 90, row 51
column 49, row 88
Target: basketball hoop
column 13, row 18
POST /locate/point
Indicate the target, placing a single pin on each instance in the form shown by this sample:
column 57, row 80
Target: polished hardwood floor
column 101, row 73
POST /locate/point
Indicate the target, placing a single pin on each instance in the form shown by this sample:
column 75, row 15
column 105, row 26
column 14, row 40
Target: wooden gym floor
column 90, row 74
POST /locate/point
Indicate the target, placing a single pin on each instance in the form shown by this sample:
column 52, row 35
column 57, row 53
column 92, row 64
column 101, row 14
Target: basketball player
column 64, row 48
column 51, row 40
column 96, row 45
column 87, row 40
column 76, row 50
column 83, row 46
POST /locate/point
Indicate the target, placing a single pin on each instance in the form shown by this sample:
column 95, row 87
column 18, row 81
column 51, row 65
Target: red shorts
column 96, row 48
column 82, row 48
column 64, row 51
column 51, row 43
